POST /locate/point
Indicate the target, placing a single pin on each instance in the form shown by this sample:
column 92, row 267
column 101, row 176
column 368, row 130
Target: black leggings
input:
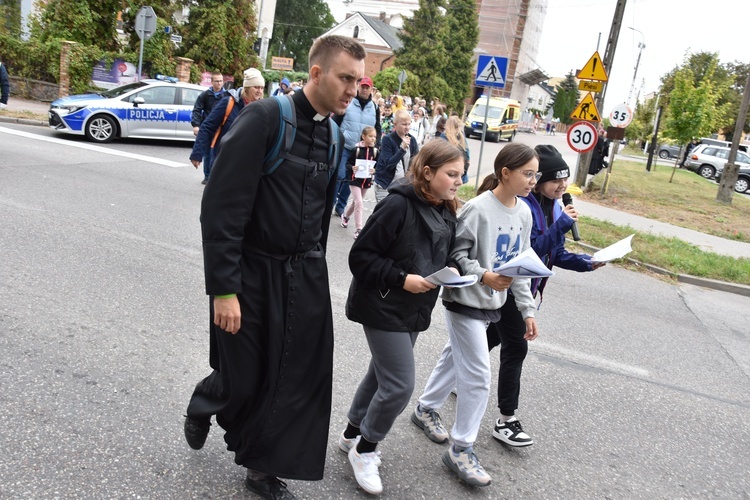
column 508, row 334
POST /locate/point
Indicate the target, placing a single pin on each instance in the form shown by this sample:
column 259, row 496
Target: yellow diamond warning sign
column 586, row 110
column 593, row 70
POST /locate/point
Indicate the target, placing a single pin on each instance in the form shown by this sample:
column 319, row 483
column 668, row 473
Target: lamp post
column 641, row 46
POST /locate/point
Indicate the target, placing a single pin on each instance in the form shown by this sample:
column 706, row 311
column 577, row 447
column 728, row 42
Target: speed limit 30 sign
column 582, row 137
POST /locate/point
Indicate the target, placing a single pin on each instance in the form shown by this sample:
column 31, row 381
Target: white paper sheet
column 362, row 168
column 446, row 277
column 527, row 264
column 614, row 251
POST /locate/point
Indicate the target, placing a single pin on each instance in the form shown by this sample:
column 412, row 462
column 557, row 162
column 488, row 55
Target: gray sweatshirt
column 488, row 235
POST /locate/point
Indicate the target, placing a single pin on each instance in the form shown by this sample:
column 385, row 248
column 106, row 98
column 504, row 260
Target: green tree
column 298, row 23
column 10, row 18
column 460, row 40
column 89, row 22
column 219, row 35
column 387, row 82
column 641, row 128
column 693, row 109
column 565, row 99
column 424, row 52
column 706, row 66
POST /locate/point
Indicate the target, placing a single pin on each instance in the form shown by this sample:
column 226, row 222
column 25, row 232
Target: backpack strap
column 285, row 139
column 230, row 105
column 333, row 148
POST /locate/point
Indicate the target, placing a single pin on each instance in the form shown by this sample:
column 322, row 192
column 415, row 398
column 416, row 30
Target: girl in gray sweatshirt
column 492, row 228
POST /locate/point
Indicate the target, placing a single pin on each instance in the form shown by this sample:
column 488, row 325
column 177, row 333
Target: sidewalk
column 705, row 242
column 19, row 105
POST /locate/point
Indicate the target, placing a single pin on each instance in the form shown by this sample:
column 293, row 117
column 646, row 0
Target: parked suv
column 707, row 160
column 742, row 185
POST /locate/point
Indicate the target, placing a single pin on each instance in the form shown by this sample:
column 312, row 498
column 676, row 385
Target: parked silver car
column 707, row 160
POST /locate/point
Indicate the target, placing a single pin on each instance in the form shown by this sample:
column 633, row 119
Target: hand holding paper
column 524, row 265
column 446, row 277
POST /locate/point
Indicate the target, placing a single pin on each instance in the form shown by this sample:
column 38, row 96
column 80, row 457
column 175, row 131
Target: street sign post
column 401, row 79
column 621, row 116
column 145, row 26
column 586, row 110
column 282, row 63
column 492, row 71
column 582, row 137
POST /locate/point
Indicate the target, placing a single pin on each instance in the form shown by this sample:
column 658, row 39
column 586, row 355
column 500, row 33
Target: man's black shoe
column 196, row 432
column 269, row 487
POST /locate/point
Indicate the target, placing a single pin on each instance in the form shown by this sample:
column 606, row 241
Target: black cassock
column 264, row 238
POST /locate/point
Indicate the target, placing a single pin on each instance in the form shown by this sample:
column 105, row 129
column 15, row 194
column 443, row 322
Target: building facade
column 507, row 28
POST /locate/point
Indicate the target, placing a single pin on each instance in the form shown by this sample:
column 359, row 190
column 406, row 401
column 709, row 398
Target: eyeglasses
column 530, row 174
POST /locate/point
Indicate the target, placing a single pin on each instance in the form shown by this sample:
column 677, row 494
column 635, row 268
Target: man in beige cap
column 218, row 122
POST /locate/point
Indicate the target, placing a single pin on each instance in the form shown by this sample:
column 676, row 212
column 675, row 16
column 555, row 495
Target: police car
column 151, row 109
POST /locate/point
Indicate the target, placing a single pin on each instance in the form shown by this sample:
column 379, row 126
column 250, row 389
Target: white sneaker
column 466, row 466
column 346, row 444
column 366, row 472
column 511, row 433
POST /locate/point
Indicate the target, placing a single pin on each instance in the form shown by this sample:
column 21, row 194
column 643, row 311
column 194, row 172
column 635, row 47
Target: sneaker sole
column 424, row 428
column 515, row 444
column 454, row 469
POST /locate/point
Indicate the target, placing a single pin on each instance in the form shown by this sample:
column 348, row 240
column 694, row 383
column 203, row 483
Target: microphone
column 568, row 200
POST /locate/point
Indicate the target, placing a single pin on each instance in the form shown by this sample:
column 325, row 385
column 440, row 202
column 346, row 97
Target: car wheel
column 706, row 171
column 512, row 136
column 101, row 128
column 663, row 155
column 497, row 137
column 741, row 185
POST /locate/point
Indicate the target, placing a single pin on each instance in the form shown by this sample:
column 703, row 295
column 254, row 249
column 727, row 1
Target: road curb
column 723, row 286
column 22, row 121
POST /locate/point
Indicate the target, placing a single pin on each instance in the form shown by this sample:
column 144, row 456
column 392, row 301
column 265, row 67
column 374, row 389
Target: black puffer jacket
column 404, row 235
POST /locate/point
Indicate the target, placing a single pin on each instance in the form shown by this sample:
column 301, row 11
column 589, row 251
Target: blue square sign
column 491, row 71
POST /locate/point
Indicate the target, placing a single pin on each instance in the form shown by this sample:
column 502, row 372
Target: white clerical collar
column 319, row 118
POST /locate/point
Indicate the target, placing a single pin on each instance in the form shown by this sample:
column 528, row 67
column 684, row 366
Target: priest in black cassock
column 264, row 241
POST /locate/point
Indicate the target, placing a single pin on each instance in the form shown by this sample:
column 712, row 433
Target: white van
column 502, row 118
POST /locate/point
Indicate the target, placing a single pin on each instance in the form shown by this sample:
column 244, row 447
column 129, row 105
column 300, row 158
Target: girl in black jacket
column 408, row 237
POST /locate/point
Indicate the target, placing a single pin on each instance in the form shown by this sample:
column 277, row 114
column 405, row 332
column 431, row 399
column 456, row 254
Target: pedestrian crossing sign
column 492, row 71
column 586, row 110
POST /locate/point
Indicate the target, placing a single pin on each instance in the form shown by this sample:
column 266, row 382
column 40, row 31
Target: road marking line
column 586, row 359
column 98, row 149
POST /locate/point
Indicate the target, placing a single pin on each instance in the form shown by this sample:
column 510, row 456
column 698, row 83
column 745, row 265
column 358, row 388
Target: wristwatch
column 401, row 278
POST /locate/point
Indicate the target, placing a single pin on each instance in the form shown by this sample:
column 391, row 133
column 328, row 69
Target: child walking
column 493, row 228
column 407, row 237
column 360, row 173
column 550, row 223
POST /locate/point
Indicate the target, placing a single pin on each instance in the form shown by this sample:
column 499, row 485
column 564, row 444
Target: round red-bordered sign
column 582, row 137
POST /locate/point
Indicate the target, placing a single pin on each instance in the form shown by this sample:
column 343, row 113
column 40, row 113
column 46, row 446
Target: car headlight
column 72, row 108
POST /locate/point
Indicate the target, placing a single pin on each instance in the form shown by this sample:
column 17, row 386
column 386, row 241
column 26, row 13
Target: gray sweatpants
column 388, row 384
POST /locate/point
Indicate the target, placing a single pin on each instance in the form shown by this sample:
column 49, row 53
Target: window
column 356, row 32
column 157, row 95
column 189, row 96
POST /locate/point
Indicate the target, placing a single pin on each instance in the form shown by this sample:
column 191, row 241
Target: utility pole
column 731, row 169
column 609, row 56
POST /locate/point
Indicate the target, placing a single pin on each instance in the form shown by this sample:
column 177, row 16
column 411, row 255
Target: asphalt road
column 636, row 388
